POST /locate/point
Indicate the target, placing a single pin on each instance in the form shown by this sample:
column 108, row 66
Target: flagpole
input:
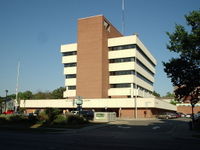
column 17, row 85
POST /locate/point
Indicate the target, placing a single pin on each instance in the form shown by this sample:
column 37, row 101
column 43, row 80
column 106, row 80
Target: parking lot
column 121, row 134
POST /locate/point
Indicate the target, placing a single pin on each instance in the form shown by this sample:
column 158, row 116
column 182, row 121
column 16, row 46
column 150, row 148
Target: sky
column 31, row 31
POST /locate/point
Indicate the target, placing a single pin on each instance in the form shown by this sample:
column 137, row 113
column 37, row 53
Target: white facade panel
column 144, row 73
column 69, row 93
column 68, row 47
column 122, row 40
column 122, row 53
column 69, row 59
column 119, row 91
column 99, row 103
column 145, row 62
column 143, row 84
column 144, row 49
column 70, row 82
column 70, row 70
column 121, row 79
column 121, row 66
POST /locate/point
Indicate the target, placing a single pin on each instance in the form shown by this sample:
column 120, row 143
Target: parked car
column 8, row 112
column 188, row 115
column 178, row 115
column 167, row 115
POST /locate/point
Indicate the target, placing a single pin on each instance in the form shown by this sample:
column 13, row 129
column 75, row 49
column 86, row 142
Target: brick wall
column 188, row 109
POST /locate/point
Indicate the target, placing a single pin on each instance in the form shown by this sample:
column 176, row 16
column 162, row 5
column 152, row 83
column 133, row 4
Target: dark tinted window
column 121, row 85
column 70, row 76
column 71, row 87
column 69, row 53
column 70, row 65
column 119, row 60
column 123, row 72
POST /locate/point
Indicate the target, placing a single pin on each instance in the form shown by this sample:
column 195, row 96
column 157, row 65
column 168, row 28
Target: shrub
column 74, row 120
column 13, row 118
column 60, row 120
column 52, row 113
column 17, row 118
column 43, row 117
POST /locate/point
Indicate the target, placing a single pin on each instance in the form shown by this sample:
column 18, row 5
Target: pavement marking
column 156, row 127
column 124, row 127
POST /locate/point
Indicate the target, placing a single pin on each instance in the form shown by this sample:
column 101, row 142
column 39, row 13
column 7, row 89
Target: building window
column 69, row 53
column 119, row 60
column 144, row 79
column 121, row 85
column 123, row 72
column 70, row 65
column 122, row 47
column 145, row 56
column 144, row 67
column 71, row 87
column 144, row 89
column 68, row 76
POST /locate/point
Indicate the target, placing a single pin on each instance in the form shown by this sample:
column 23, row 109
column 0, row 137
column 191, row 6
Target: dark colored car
column 89, row 114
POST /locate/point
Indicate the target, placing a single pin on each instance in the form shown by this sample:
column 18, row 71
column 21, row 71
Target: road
column 122, row 134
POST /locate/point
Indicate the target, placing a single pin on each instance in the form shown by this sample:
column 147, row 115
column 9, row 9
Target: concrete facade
column 105, row 64
column 124, row 107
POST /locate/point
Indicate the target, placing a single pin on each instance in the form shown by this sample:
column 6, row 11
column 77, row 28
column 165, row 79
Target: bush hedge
column 48, row 117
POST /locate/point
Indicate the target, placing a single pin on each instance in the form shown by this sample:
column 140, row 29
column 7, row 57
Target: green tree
column 184, row 70
column 42, row 95
column 27, row 95
column 169, row 95
column 58, row 93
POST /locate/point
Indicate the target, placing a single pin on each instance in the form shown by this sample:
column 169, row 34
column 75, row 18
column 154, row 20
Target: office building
column 105, row 64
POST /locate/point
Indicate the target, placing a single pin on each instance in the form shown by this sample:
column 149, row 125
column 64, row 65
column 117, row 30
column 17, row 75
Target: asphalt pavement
column 121, row 134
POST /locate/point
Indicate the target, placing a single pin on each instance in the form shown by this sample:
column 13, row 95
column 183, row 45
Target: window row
column 144, row 89
column 120, row 85
column 122, row 47
column 123, row 72
column 69, row 53
column 119, row 60
column 128, row 85
column 145, row 56
column 144, row 67
column 144, row 79
column 68, row 76
column 70, row 65
column 71, row 87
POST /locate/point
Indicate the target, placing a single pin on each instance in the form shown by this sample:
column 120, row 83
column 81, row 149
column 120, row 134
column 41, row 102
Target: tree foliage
column 184, row 71
column 169, row 95
column 58, row 93
column 55, row 94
